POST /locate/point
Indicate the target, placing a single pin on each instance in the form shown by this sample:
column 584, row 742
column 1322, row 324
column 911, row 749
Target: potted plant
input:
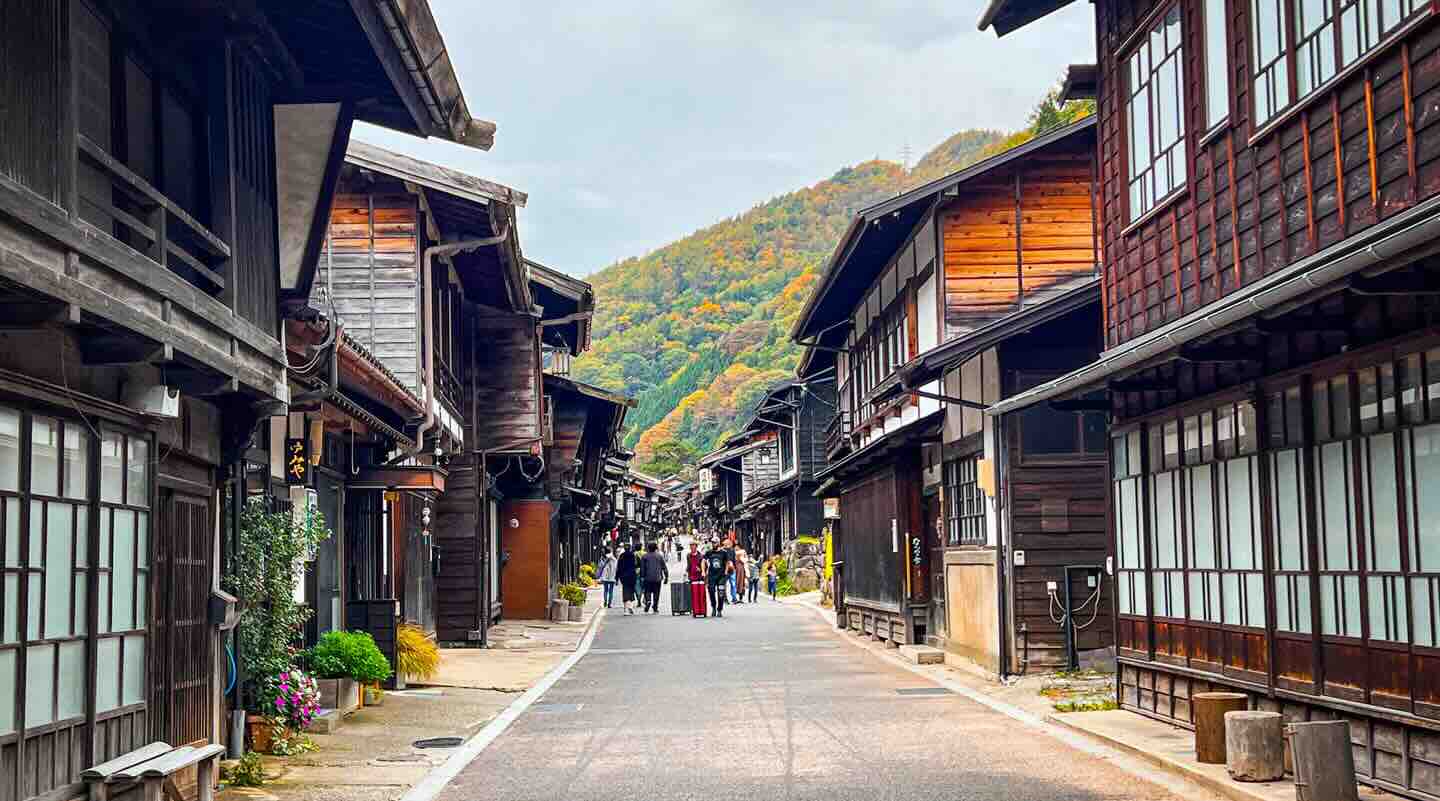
column 575, row 595
column 345, row 661
column 261, row 575
column 416, row 655
column 291, row 700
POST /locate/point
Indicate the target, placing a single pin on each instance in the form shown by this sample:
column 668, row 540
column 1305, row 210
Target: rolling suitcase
column 697, row 598
column 680, row 598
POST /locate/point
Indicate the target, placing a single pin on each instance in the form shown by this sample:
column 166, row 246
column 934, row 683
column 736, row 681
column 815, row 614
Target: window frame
column 1292, row 62
column 964, row 502
column 1141, row 39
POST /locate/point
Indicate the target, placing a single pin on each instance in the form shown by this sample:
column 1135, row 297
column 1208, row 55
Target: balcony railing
column 170, row 236
column 837, row 433
column 555, row 360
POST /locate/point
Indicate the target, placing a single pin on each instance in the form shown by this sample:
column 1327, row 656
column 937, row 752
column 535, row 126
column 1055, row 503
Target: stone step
column 922, row 654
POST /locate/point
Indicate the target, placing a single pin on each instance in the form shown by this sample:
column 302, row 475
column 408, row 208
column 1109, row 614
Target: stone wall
column 807, row 564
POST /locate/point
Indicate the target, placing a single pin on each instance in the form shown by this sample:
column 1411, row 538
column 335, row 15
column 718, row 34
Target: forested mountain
column 698, row 329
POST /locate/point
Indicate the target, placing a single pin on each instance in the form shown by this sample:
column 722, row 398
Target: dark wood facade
column 1266, row 476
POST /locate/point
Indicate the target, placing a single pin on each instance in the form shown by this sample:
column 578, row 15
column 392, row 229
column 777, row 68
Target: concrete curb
column 1232, row 790
column 436, row 780
column 1130, row 760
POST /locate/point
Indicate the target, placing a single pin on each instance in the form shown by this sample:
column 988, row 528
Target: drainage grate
column 923, row 691
column 439, row 742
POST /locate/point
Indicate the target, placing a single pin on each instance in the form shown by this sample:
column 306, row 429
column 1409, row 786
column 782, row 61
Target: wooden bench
column 151, row 768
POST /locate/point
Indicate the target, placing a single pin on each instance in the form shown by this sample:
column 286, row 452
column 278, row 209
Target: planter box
column 342, row 695
column 577, row 613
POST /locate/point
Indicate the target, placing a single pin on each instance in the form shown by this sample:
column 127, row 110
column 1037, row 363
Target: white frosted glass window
column 10, row 622
column 12, row 532
column 39, row 685
column 1423, row 591
column 1336, row 552
column 1230, row 592
column 1384, row 505
column 77, row 462
column 1388, row 609
column 44, row 456
column 1254, row 599
column 1163, row 523
column 107, row 522
column 72, row 680
column 134, row 684
column 1271, row 82
column 1292, row 603
column 82, row 594
column 1289, row 501
column 103, row 601
column 1156, row 116
column 107, row 675
column 1123, row 587
column 1202, row 526
column 1217, row 85
column 112, row 467
column 137, row 485
column 7, row 696
column 1425, row 545
column 142, row 539
column 1241, row 501
column 1160, row 594
column 1350, row 585
column 122, row 588
column 58, row 570
column 32, row 614
column 9, row 449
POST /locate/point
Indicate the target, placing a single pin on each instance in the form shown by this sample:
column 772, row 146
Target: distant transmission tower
column 905, row 156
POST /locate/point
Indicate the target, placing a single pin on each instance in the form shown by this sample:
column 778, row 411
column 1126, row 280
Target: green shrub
column 248, row 771
column 353, row 654
column 573, row 593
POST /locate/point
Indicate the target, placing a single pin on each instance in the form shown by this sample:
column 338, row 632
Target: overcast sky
column 631, row 123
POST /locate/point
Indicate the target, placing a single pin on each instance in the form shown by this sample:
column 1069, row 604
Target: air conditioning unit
column 156, row 400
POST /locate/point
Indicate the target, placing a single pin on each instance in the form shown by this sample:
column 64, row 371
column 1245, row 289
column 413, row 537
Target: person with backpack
column 719, row 565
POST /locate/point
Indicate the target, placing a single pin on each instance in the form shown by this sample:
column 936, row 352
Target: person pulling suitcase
column 695, row 573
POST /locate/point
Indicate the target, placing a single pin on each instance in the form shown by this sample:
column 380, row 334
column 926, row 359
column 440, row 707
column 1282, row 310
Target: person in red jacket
column 695, row 572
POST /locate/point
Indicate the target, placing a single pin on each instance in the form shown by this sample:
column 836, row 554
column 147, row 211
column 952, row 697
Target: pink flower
column 279, row 703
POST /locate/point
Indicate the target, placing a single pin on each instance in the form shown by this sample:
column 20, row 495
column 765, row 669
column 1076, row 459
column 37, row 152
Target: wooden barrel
column 1254, row 746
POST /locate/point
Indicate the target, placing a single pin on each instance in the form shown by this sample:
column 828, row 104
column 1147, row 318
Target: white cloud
column 633, row 122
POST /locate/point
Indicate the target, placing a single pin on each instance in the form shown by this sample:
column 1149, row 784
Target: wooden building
column 940, row 269
column 165, row 174
column 781, row 500
column 1269, row 195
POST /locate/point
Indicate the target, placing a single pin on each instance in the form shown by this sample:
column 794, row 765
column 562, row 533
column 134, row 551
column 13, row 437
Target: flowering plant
column 291, row 699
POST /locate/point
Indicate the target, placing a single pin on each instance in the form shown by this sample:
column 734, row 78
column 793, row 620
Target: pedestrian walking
column 627, row 571
column 772, row 577
column 730, row 579
column 653, row 573
column 719, row 567
column 695, row 572
column 742, row 565
column 752, row 578
column 606, row 573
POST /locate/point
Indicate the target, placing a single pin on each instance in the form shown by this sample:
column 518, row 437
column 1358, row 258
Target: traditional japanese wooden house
column 165, row 174
column 782, row 502
column 1269, row 196
column 928, row 268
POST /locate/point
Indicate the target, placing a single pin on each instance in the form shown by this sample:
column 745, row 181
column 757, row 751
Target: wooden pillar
column 1210, row 709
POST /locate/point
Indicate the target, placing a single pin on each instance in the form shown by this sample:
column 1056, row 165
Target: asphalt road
column 767, row 703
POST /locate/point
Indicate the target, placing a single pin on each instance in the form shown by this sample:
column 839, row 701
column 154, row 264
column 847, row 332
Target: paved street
column 767, row 703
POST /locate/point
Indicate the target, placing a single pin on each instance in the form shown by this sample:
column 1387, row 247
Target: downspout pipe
column 428, row 326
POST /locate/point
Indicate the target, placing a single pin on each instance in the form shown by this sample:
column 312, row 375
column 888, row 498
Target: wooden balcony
column 837, row 435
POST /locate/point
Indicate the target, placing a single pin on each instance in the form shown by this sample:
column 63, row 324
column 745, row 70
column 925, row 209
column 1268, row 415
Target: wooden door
column 182, row 695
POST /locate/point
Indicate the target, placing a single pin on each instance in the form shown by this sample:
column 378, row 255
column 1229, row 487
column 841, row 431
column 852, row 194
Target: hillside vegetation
column 698, row 329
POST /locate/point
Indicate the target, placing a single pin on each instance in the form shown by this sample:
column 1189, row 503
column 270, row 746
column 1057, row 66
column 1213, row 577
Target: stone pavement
column 770, row 703
column 372, row 756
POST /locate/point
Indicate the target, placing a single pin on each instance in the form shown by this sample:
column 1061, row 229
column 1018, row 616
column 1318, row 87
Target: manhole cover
column 439, row 742
column 923, row 691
